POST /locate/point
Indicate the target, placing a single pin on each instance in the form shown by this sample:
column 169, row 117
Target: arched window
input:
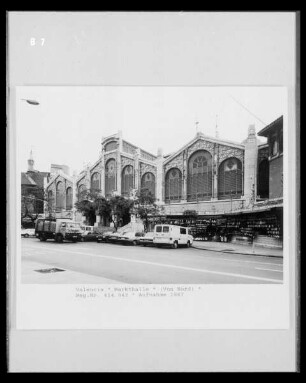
column 95, row 182
column 69, row 198
column 127, row 180
column 110, row 146
column 230, row 179
column 263, row 179
column 199, row 181
column 50, row 200
column 110, row 177
column 148, row 182
column 173, row 185
column 60, row 195
column 81, row 192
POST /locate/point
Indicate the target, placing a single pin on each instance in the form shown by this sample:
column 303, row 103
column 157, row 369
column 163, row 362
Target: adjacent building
column 33, row 185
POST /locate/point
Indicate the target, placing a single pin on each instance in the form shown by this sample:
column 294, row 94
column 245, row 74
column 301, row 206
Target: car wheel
column 26, row 236
column 188, row 244
column 174, row 245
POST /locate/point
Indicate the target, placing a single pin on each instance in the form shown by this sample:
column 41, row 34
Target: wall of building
column 275, row 177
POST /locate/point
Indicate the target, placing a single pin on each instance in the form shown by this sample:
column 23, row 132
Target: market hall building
column 215, row 186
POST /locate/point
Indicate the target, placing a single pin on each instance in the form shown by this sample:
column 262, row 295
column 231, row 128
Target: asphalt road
column 93, row 262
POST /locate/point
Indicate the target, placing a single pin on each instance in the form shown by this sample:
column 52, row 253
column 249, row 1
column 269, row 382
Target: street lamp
column 31, row 102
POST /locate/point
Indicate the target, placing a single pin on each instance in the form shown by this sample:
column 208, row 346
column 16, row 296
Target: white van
column 87, row 229
column 172, row 235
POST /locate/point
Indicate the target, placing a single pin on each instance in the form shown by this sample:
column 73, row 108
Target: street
column 91, row 262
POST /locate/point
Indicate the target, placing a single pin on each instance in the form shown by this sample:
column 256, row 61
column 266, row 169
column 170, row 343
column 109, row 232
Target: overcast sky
column 67, row 126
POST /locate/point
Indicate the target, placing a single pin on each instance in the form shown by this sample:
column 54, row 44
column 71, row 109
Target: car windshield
column 158, row 229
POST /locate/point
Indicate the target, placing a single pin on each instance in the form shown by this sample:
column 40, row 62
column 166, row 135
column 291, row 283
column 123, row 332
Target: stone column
column 136, row 169
column 215, row 169
column 118, row 176
column 74, row 196
column 250, row 165
column 159, row 177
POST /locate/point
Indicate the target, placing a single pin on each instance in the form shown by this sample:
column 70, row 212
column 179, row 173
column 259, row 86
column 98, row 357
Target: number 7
column 42, row 41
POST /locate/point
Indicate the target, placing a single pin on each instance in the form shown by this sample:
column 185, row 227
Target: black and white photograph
column 151, row 185
column 152, row 206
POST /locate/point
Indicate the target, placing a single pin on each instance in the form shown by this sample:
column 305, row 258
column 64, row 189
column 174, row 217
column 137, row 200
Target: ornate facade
column 207, row 174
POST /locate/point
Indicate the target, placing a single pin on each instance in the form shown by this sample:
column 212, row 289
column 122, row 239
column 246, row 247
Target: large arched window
column 173, row 185
column 199, row 181
column 148, row 182
column 127, row 180
column 230, row 179
column 110, row 146
column 69, row 198
column 263, row 179
column 110, row 177
column 81, row 192
column 95, row 182
column 50, row 200
column 60, row 195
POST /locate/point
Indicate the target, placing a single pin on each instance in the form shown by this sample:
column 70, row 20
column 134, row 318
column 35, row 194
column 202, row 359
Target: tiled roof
column 38, row 177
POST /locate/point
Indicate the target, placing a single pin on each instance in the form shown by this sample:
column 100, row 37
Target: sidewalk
column 227, row 247
column 30, row 275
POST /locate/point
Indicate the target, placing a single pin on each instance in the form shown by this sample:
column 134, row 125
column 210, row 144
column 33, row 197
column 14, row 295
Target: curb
column 234, row 252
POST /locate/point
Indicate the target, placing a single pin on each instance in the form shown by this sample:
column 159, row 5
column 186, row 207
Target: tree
column 88, row 202
column 120, row 210
column 32, row 203
column 146, row 206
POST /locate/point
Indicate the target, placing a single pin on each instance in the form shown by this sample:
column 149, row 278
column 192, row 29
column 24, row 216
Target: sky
column 68, row 124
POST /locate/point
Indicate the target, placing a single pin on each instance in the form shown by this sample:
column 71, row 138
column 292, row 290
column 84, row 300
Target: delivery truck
column 58, row 229
column 172, row 235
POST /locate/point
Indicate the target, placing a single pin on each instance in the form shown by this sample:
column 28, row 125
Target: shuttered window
column 263, row 179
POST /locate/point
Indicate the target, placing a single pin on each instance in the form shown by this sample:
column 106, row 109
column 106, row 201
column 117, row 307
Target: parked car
column 27, row 232
column 113, row 237
column 103, row 237
column 130, row 237
column 89, row 236
column 147, row 240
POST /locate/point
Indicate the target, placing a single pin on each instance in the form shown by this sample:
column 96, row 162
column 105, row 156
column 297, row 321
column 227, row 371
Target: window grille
column 199, row 180
column 173, row 185
column 230, row 179
column 60, row 195
column 96, row 182
column 110, row 177
column 148, row 182
column 127, row 180
column 69, row 198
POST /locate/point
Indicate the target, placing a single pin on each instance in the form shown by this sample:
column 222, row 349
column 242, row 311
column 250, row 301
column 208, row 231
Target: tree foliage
column 146, row 206
column 32, row 202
